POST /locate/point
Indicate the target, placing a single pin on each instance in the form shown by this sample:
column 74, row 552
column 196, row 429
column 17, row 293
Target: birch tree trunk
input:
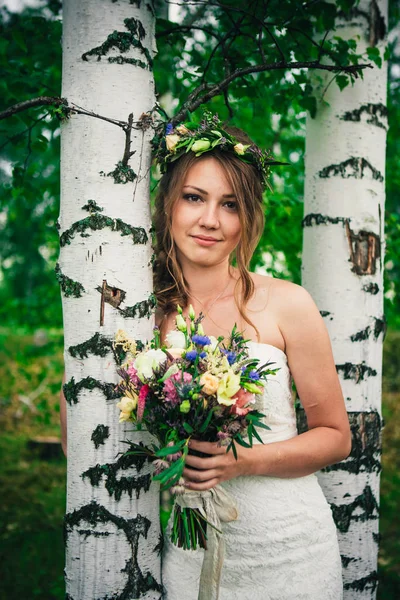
column 112, row 521
column 343, row 270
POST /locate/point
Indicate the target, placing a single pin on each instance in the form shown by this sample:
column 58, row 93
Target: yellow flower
column 182, row 129
column 171, row 141
column 209, row 382
column 228, row 386
column 126, row 405
column 240, row 148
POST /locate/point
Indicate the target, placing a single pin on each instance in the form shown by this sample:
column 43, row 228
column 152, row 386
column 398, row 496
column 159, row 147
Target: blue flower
column 254, row 375
column 201, row 340
column 169, row 129
column 231, row 356
column 192, row 355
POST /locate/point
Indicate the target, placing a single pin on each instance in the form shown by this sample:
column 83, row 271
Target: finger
column 200, row 463
column 199, row 476
column 203, row 486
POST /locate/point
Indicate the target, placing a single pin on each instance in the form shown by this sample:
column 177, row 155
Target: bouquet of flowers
column 194, row 386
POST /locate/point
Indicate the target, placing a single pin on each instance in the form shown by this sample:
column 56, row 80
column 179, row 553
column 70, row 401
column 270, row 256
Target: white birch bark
column 343, row 270
column 112, row 521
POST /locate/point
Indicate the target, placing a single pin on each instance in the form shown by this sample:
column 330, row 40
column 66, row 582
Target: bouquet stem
column 189, row 529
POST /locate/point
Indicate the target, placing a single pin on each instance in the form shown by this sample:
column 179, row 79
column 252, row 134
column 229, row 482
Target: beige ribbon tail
column 218, row 507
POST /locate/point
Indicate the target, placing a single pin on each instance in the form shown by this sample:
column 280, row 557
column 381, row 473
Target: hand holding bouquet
column 196, row 387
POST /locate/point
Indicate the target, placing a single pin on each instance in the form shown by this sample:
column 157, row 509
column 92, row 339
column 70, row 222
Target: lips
column 205, row 238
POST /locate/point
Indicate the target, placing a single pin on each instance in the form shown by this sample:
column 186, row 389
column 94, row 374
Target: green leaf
column 374, row 55
column 170, row 449
column 342, row 81
column 188, row 428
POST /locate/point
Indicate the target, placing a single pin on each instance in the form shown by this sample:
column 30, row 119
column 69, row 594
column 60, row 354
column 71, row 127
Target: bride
column 209, row 211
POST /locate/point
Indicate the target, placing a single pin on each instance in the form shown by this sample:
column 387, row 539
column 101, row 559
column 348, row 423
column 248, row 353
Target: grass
column 32, row 491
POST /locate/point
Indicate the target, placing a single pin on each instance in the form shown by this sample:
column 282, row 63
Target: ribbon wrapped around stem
column 216, row 506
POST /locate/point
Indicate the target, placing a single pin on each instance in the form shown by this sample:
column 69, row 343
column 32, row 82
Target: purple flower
column 254, row 375
column 231, row 356
column 169, row 129
column 201, row 340
column 192, row 355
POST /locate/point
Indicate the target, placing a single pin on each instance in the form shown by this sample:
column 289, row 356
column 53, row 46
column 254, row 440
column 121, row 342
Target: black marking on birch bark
column 346, row 560
column 375, row 112
column 377, row 25
column 160, row 545
column 98, row 344
column 356, row 166
column 137, row 583
column 371, row 288
column 361, row 335
column 369, row 582
column 114, row 486
column 366, row 449
column 121, row 174
column 378, row 328
column 97, row 222
column 58, row 226
column 92, row 207
column 123, row 41
column 71, row 389
column 145, row 308
column 136, row 3
column 358, row 372
column 100, row 434
column 324, row 313
column 93, row 532
column 68, row 285
column 318, row 219
column 376, row 537
column 363, row 508
column 365, row 250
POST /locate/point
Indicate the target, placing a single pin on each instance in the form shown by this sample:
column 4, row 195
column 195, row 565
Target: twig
column 32, row 103
column 218, row 88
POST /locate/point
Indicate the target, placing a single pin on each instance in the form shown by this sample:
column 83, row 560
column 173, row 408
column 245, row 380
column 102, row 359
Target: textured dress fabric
column 283, row 546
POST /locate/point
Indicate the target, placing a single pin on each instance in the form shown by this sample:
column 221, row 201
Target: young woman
column 283, row 544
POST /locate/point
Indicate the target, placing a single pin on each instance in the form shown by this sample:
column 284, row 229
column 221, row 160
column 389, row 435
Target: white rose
column 176, row 339
column 146, row 363
column 175, row 352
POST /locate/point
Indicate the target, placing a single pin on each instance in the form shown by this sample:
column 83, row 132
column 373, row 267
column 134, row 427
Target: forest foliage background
column 272, row 107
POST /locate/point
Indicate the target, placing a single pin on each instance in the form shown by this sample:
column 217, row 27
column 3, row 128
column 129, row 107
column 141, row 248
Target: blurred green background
column 32, row 483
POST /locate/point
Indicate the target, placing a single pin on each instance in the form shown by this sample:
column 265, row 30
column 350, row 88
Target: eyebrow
column 206, row 193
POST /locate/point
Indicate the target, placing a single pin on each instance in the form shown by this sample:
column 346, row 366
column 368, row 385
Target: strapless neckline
column 268, row 346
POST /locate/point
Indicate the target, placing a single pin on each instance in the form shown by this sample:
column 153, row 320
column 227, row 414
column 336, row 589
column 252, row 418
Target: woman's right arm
column 63, row 418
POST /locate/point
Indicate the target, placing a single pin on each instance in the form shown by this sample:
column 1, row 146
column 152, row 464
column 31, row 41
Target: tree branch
column 32, row 103
column 194, row 101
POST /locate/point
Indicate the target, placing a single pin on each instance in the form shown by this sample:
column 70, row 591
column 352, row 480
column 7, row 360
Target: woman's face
column 205, row 220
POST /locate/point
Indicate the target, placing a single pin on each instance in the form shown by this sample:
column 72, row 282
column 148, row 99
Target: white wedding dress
column 283, row 546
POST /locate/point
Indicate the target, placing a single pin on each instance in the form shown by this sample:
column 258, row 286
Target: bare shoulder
column 283, row 296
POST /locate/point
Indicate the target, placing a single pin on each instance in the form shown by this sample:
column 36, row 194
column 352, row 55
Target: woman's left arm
column 328, row 439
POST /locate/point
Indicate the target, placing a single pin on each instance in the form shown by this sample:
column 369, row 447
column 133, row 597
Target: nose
column 209, row 216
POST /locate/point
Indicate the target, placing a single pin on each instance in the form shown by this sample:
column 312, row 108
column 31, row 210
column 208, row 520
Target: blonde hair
column 170, row 286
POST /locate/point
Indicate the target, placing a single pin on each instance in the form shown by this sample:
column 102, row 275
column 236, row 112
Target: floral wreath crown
column 205, row 137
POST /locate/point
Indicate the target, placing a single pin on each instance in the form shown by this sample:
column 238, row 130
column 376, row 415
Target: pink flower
column 171, row 395
column 142, row 401
column 132, row 372
column 242, row 398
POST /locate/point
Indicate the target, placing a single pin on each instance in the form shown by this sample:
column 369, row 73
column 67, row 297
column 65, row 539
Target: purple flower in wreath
column 201, row 340
column 169, row 129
